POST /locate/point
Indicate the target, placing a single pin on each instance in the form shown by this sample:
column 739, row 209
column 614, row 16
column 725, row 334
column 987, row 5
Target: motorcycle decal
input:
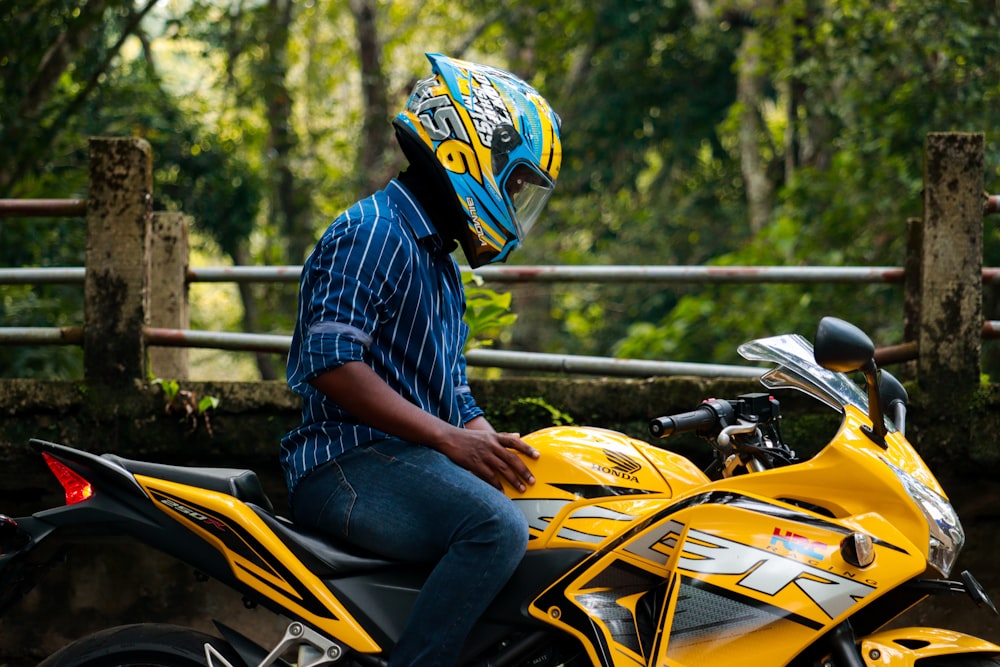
column 714, row 625
column 206, row 521
column 759, row 506
column 229, row 537
column 540, row 513
column 710, row 613
column 599, row 490
column 762, row 571
column 798, row 544
column 620, row 465
column 701, row 559
column 620, row 590
column 592, row 523
column 244, row 553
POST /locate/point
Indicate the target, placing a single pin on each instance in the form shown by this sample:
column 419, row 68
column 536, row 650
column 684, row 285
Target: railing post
column 119, row 208
column 168, row 294
column 951, row 305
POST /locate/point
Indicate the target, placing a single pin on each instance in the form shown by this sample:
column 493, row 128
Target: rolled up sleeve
column 340, row 306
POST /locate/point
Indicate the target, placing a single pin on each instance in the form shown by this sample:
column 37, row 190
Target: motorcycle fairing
column 257, row 557
column 673, row 590
column 382, row 599
column 903, row 647
column 592, row 483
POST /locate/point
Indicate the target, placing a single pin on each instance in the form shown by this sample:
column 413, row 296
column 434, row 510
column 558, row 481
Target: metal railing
column 605, row 274
column 563, row 363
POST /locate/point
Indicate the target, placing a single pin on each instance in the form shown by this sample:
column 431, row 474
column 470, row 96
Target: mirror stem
column 879, row 430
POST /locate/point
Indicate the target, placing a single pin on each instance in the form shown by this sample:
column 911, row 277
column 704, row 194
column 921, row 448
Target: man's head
column 494, row 143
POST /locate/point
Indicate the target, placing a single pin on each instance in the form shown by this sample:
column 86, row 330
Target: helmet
column 496, row 142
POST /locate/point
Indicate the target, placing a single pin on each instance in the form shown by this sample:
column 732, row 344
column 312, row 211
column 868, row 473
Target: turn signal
column 858, row 550
column 76, row 487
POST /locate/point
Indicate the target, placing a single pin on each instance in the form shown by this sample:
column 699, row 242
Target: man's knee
column 511, row 528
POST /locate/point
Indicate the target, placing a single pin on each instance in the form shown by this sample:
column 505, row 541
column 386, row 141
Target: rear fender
column 903, row 647
column 31, row 545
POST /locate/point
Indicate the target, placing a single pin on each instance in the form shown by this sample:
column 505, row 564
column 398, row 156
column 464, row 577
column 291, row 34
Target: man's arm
column 477, row 448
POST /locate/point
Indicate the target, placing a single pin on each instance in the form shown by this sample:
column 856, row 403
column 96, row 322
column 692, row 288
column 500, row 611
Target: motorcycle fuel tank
column 591, row 483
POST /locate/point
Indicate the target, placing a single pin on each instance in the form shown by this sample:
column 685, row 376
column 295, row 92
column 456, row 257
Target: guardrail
column 121, row 225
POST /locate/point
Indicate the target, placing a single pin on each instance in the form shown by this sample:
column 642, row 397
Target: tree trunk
column 251, row 318
column 759, row 188
column 377, row 157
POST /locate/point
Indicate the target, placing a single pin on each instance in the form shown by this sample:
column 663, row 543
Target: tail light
column 76, row 487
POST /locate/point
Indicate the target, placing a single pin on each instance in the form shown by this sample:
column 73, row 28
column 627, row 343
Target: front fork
column 844, row 647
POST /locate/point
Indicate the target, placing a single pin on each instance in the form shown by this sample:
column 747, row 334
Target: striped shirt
column 379, row 289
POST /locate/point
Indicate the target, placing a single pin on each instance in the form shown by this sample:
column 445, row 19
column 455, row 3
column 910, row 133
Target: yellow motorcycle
column 636, row 557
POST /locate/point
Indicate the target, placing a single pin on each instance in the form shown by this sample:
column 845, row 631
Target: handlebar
column 709, row 416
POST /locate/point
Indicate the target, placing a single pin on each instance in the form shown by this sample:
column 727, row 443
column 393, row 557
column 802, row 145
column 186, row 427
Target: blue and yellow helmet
column 497, row 141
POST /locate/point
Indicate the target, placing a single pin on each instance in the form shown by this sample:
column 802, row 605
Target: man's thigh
column 411, row 502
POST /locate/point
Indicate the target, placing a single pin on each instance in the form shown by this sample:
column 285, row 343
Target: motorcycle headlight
column 946, row 534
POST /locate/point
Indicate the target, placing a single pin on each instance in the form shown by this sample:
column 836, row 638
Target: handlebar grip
column 711, row 415
column 700, row 419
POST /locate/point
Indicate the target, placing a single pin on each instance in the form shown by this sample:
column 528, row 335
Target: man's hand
column 477, row 447
column 491, row 456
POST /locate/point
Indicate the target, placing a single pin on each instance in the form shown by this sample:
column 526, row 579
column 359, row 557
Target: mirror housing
column 842, row 347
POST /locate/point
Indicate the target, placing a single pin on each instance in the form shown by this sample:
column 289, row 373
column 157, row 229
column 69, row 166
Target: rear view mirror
column 842, row 347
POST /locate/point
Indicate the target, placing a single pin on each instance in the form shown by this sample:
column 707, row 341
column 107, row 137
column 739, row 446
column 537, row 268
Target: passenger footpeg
column 314, row 650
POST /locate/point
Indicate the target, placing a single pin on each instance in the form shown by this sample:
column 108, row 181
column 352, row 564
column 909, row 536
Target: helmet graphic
column 497, row 141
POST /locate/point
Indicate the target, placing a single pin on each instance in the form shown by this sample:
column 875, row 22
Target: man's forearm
column 359, row 390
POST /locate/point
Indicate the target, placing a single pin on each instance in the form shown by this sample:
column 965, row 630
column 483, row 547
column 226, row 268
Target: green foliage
column 185, row 405
column 487, row 313
column 670, row 110
column 170, row 388
column 557, row 416
column 207, row 403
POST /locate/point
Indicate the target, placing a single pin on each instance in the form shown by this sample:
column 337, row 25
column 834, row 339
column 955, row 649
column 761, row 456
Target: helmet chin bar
column 477, row 251
column 495, row 140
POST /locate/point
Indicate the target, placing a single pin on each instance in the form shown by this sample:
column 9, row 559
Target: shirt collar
column 413, row 213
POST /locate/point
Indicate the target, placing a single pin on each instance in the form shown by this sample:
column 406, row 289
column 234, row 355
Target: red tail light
column 77, row 488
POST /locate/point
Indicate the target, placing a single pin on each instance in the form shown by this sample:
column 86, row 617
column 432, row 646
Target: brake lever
column 725, row 437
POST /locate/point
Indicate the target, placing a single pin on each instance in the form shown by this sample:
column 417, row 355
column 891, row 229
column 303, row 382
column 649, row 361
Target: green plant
column 487, row 312
column 558, row 417
column 185, row 404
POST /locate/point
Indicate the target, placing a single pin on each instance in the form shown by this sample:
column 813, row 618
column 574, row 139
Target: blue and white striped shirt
column 379, row 289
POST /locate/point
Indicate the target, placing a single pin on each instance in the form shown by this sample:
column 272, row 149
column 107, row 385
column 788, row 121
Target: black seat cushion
column 236, row 482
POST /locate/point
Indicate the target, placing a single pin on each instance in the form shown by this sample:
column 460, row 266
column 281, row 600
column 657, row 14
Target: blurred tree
column 863, row 83
column 722, row 131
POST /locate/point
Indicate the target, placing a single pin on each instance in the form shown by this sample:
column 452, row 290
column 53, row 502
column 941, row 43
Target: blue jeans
column 412, row 503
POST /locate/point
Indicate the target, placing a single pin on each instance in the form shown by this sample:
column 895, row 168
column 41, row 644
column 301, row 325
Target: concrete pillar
column 168, row 294
column 119, row 207
column 951, row 306
column 911, row 293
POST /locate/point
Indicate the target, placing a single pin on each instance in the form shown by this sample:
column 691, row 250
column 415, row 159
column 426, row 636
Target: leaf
column 207, row 403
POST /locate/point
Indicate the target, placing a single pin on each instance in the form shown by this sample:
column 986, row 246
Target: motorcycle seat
column 236, row 482
column 325, row 556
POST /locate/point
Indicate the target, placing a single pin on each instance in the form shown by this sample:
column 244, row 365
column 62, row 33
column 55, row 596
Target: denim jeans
column 412, row 503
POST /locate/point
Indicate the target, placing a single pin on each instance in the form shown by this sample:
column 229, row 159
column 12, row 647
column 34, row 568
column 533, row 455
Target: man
column 393, row 454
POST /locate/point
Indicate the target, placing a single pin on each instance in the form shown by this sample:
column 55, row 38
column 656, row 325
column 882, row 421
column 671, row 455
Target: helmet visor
column 527, row 190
